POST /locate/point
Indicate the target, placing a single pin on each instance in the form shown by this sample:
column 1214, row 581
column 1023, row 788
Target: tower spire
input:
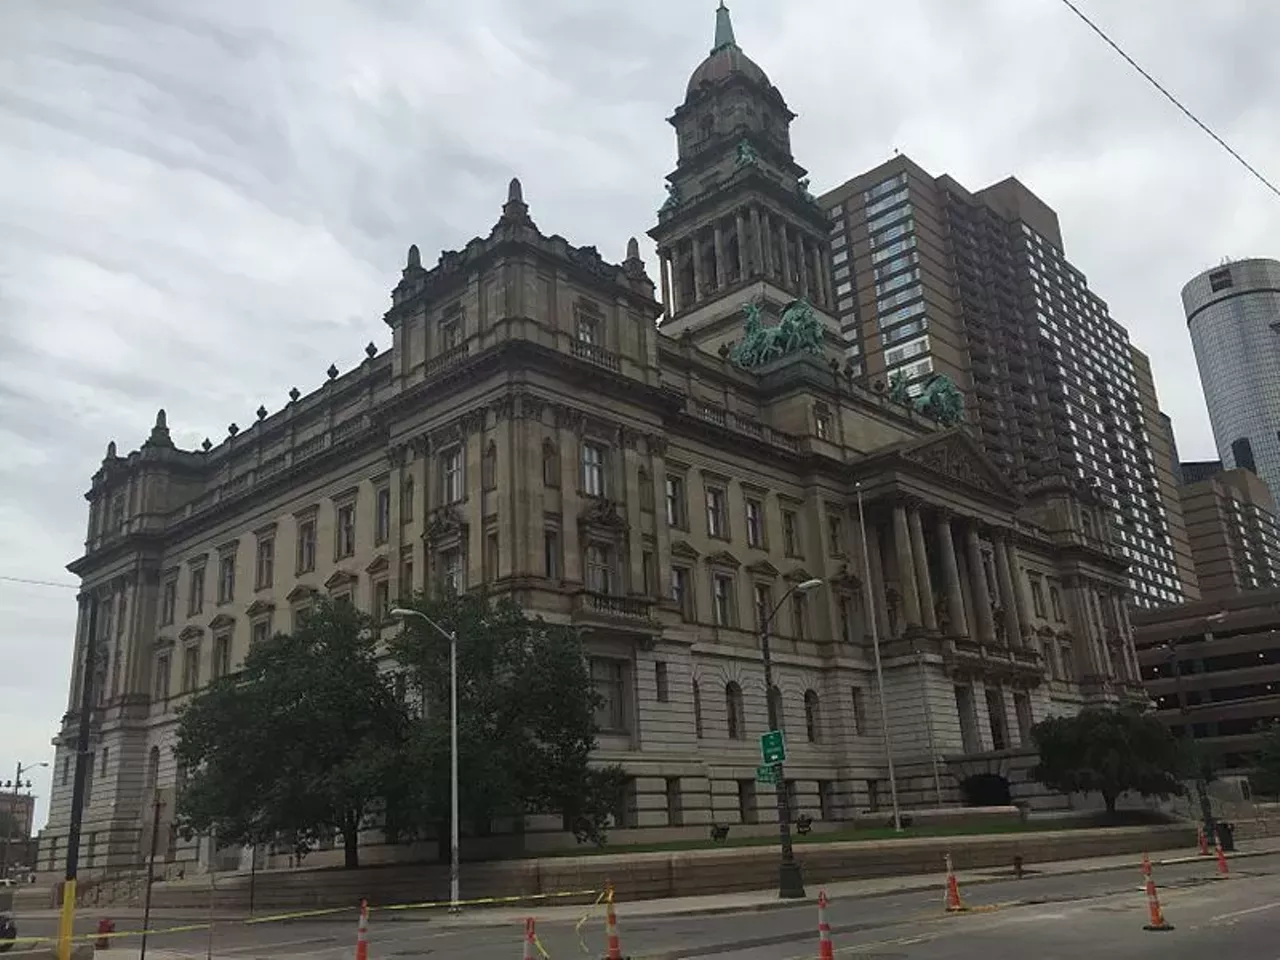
column 724, row 29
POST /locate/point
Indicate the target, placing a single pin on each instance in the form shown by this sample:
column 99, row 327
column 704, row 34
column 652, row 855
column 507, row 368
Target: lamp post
column 402, row 614
column 875, row 646
column 17, row 785
column 790, row 882
column 1202, row 789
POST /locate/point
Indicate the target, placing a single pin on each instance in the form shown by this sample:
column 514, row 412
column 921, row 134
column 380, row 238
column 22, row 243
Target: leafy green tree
column 306, row 740
column 1108, row 751
column 1266, row 776
column 526, row 720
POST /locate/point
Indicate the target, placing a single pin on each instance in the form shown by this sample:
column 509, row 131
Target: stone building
column 542, row 425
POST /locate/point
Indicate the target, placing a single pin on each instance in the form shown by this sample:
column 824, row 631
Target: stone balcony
column 613, row 611
column 966, row 657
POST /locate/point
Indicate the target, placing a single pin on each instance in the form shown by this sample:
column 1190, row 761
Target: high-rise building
column 932, row 278
column 1231, row 523
column 1233, row 314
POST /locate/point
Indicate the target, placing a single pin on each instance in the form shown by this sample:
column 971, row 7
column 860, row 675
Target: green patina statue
column 673, row 199
column 940, row 399
column 747, row 156
column 802, row 187
column 798, row 331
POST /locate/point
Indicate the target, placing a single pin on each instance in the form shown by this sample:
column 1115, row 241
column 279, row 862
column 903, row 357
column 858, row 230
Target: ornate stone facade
column 534, row 430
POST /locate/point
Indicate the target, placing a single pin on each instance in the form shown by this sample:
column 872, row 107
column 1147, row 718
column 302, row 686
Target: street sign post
column 767, row 774
column 772, row 747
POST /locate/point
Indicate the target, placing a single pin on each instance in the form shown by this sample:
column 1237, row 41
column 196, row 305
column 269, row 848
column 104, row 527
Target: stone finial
column 294, row 394
column 515, row 192
column 633, row 249
column 332, row 371
column 262, row 412
column 160, row 432
column 515, row 210
column 414, row 260
column 371, row 350
column 232, row 430
column 111, row 450
column 207, row 445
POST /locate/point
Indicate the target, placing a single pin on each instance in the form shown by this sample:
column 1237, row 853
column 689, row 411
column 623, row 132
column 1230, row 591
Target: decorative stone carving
column 603, row 514
column 444, row 522
column 954, row 458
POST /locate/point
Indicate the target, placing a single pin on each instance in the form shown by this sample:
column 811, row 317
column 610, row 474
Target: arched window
column 153, row 768
column 550, row 464
column 697, row 710
column 775, row 709
column 812, row 718
column 489, row 467
column 733, row 708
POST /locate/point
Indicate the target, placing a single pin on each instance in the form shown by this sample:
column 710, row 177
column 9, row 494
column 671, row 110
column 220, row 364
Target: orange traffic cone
column 1223, row 872
column 611, row 926
column 530, row 938
column 362, row 932
column 825, row 950
column 952, row 899
column 1156, row 920
column 1203, row 840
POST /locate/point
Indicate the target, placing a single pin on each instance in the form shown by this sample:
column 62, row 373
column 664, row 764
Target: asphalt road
column 1086, row 915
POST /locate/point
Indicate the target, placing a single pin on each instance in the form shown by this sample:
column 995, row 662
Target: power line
column 1170, row 97
column 39, row 583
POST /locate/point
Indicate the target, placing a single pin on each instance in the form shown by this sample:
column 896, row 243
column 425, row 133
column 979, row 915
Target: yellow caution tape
column 577, row 927
column 519, row 898
column 297, row 915
column 541, row 949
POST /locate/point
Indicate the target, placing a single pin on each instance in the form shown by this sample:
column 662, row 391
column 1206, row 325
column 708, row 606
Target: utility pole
column 66, row 923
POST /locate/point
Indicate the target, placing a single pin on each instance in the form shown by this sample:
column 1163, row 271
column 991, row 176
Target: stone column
column 1012, row 622
column 951, row 578
column 924, row 583
column 785, row 245
column 662, row 533
column 802, row 266
column 766, row 243
column 741, row 224
column 664, row 258
column 1020, row 599
column 906, row 568
column 570, row 484
column 721, row 274
column 880, row 605
column 981, row 593
column 697, row 268
column 505, row 484
column 757, row 240
column 824, row 271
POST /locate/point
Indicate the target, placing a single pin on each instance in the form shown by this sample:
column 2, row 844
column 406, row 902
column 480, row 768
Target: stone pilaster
column 981, row 592
column 924, row 583
column 951, row 578
column 906, row 568
column 1008, row 600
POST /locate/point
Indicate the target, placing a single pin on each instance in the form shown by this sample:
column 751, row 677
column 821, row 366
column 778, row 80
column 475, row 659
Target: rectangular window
column 822, row 424
column 995, row 714
column 1055, row 602
column 680, row 594
column 762, row 598
column 790, row 533
column 677, row 512
column 722, row 597
column 306, row 545
column 588, row 329
column 592, row 470
column 451, row 579
column 835, row 535
column 265, row 566
column 551, row 555
column 660, row 681
column 608, row 683
column 1037, row 596
column 195, row 601
column 160, row 683
column 406, row 500
column 221, row 665
column 846, row 619
column 382, row 518
column 599, row 569
column 190, row 669
column 716, row 521
column 169, row 602
column 259, row 632
column 755, row 523
column 451, row 475
column 491, row 555
column 450, row 333
column 406, row 577
column 381, row 600
column 346, row 531
column 799, row 615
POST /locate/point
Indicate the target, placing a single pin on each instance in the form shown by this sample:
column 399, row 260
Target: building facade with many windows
column 533, row 431
column 931, row 278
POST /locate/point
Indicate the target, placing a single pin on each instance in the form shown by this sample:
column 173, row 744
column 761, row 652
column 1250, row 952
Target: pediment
column 724, row 558
column 380, row 564
column 799, row 575
column 191, row 633
column 763, row 568
column 260, row 608
column 301, row 593
column 340, row 578
column 680, row 548
column 222, row 622
column 957, row 457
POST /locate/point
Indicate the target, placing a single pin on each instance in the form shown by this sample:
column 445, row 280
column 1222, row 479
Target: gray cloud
column 202, row 205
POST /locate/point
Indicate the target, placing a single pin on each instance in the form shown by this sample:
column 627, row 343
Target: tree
column 1108, row 751
column 526, row 720
column 1266, row 777
column 304, row 741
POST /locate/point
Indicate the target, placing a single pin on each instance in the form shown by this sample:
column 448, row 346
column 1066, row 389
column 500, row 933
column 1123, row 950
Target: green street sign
column 766, row 774
column 772, row 748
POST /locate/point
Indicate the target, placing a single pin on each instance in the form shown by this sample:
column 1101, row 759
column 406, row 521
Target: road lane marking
column 1244, row 913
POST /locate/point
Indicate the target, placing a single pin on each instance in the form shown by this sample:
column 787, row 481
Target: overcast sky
column 205, row 204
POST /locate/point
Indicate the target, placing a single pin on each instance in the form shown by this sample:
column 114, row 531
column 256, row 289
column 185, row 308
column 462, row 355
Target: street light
column 402, row 614
column 875, row 646
column 790, row 882
column 17, row 785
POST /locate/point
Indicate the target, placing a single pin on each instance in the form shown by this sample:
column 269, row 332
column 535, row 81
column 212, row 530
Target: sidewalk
column 752, row 901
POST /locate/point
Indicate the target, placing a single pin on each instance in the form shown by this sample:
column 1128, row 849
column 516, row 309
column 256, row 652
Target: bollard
column 1017, row 866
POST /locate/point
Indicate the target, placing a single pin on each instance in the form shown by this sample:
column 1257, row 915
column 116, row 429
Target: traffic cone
column 825, row 950
column 1223, row 872
column 362, row 932
column 952, row 899
column 530, row 938
column 611, row 926
column 1203, row 840
column 1156, row 919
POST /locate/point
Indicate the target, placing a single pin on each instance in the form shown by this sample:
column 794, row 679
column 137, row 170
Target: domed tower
column 739, row 225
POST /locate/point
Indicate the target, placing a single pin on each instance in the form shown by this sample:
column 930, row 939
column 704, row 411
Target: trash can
column 1227, row 836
